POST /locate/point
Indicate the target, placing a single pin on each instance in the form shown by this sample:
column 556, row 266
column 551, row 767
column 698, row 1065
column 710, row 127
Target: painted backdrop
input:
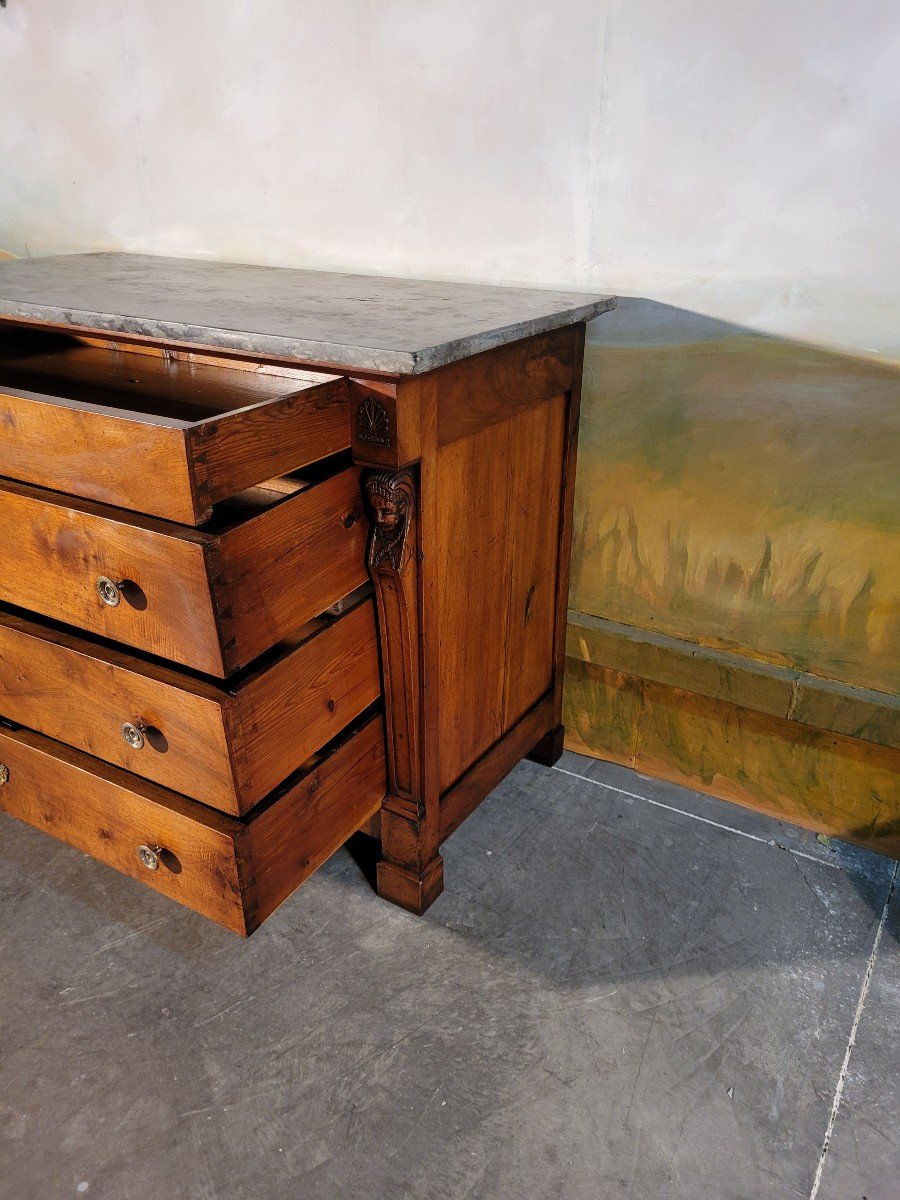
column 736, row 165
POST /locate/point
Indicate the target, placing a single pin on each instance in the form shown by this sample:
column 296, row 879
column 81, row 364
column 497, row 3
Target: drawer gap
column 269, row 494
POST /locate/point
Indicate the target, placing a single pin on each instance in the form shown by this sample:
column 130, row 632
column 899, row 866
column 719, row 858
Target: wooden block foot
column 549, row 749
column 410, row 890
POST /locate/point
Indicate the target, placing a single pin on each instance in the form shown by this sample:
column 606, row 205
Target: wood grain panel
column 484, row 775
column 494, row 386
column 235, row 872
column 101, row 455
column 209, row 601
column 52, row 553
column 244, row 448
column 277, row 570
column 289, row 710
column 496, row 549
column 472, row 558
column 81, row 693
column 532, row 531
column 155, row 434
column 108, row 814
column 225, row 745
column 567, row 508
column 315, row 816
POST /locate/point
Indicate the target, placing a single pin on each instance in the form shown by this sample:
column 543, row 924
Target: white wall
column 740, row 160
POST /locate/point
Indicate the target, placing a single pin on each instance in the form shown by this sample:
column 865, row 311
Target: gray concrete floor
column 628, row 990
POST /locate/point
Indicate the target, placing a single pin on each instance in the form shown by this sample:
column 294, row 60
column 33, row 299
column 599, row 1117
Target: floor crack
column 863, row 993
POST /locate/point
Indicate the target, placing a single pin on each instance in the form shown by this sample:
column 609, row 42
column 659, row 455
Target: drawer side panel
column 303, row 828
column 287, row 565
column 240, row 449
column 287, row 713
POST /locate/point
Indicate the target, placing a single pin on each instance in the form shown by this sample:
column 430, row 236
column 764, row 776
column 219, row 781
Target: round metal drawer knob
column 4, row 774
column 110, row 593
column 150, row 856
column 133, row 732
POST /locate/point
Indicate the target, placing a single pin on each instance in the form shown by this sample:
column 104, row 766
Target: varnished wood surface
column 471, row 614
column 157, row 435
column 108, row 814
column 109, row 378
column 277, row 570
column 229, row 453
column 53, row 551
column 483, row 776
column 225, row 745
column 493, row 436
column 490, row 388
column 285, row 712
column 315, row 816
column 536, row 578
column 495, row 551
column 463, row 399
column 209, row 601
column 566, row 513
column 234, row 872
column 410, row 873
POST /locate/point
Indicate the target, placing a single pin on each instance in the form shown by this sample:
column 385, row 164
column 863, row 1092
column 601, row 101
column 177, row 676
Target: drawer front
column 235, row 872
column 226, row 747
column 95, row 808
column 84, row 694
column 52, row 556
column 212, row 602
column 155, row 434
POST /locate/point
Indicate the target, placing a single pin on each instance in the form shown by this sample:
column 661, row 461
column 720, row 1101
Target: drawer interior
column 263, row 497
column 157, row 430
column 140, row 383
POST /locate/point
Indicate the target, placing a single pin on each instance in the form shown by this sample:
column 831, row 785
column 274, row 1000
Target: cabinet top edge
column 321, row 318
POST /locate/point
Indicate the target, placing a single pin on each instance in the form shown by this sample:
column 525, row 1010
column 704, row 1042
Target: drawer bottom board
column 234, row 871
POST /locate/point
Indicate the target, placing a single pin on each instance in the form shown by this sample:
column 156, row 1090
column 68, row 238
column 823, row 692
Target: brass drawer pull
column 4, row 774
column 134, row 734
column 150, row 856
column 110, row 593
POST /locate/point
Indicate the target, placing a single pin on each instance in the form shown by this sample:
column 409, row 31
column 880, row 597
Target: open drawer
column 155, row 433
column 225, row 744
column 212, row 599
column 234, row 871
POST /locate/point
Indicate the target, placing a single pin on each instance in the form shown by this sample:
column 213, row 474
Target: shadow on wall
column 742, row 492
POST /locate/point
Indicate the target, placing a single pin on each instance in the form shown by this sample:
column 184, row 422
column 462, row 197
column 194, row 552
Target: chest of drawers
column 283, row 556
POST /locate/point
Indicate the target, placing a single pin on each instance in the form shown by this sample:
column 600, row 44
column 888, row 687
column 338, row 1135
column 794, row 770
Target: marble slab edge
column 324, row 354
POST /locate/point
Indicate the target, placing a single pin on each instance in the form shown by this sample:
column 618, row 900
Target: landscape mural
column 740, row 493
column 744, row 492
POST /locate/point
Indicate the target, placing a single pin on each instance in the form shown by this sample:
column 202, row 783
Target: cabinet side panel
column 533, row 529
column 473, row 569
column 497, row 554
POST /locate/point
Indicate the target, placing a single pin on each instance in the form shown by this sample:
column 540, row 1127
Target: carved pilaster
column 394, row 569
column 411, row 870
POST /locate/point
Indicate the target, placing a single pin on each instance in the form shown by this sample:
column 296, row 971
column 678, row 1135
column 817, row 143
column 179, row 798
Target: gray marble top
column 366, row 322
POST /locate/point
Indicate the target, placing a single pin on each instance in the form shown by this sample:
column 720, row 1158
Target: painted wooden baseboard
column 806, row 750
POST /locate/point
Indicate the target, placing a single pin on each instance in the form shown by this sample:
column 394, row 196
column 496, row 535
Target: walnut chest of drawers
column 283, row 557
